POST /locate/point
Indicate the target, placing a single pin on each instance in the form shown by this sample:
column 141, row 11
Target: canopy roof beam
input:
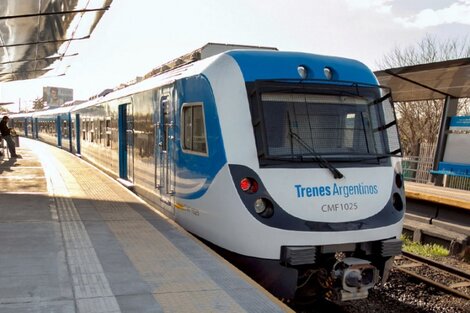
column 42, row 42
column 53, row 13
column 418, row 83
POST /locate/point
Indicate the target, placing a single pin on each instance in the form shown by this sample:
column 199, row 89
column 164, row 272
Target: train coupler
column 355, row 277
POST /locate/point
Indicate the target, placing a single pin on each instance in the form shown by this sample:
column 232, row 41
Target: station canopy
column 37, row 36
column 428, row 81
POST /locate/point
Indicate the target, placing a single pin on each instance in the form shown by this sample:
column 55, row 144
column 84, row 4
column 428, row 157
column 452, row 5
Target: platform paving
column 74, row 240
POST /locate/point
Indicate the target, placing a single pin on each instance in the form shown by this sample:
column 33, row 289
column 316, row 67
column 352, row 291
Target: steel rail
column 442, row 267
column 451, row 269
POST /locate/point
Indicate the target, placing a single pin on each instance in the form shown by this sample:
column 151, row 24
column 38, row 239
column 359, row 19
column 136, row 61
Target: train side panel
column 96, row 131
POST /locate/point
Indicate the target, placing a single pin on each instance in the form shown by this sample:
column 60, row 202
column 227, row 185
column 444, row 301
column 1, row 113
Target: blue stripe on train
column 192, row 166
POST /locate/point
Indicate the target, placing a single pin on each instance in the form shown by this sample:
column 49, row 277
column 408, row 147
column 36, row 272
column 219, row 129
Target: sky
column 135, row 36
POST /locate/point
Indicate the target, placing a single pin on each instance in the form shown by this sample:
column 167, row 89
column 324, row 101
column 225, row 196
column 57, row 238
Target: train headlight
column 264, row 207
column 302, row 70
column 260, row 205
column 328, row 73
column 397, row 202
column 399, row 180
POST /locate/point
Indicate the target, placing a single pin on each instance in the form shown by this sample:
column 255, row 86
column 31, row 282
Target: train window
column 303, row 125
column 108, row 133
column 92, row 131
column 101, row 131
column 193, row 129
column 65, row 129
column 85, row 130
column 386, row 125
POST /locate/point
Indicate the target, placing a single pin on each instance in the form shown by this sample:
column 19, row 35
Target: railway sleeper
column 455, row 241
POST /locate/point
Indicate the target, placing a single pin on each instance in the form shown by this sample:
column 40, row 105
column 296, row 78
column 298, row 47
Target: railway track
column 447, row 278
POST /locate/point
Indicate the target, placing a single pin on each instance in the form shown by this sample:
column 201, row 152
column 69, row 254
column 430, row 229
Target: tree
column 38, row 104
column 418, row 121
column 426, row 51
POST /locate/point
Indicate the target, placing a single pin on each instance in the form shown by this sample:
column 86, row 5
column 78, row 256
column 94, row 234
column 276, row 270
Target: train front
column 323, row 180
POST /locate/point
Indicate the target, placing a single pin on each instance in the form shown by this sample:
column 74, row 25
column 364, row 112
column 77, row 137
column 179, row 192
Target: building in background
column 56, row 96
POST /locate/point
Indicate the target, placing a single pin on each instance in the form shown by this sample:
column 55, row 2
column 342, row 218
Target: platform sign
column 460, row 123
column 458, row 141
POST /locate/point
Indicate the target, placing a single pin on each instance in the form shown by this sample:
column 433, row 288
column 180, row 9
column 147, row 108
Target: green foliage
column 38, row 104
column 426, row 250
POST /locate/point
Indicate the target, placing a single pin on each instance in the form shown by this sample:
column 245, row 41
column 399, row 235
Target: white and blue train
column 288, row 162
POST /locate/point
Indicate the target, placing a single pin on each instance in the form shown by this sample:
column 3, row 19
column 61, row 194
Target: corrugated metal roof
column 36, row 35
column 428, row 81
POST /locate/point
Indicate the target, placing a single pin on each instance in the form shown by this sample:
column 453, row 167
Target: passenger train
column 288, row 162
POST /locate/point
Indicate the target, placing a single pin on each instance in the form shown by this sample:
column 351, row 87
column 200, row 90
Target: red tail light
column 249, row 185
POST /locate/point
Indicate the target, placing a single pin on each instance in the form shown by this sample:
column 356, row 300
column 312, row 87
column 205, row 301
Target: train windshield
column 330, row 126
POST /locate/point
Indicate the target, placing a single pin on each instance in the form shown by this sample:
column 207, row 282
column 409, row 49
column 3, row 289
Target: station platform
column 75, row 240
column 438, row 214
column 437, row 194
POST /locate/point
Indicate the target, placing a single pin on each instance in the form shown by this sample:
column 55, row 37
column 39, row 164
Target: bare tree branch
column 419, row 121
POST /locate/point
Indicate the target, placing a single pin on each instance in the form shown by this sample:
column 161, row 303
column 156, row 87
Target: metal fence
column 457, row 182
column 417, row 169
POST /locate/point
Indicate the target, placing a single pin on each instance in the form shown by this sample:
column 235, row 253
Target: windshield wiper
column 322, row 162
column 370, row 157
column 380, row 99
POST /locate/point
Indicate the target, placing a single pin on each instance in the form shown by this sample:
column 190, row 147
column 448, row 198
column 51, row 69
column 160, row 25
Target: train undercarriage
column 335, row 272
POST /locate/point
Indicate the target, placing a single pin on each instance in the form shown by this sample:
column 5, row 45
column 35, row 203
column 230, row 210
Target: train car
column 23, row 124
column 53, row 126
column 287, row 162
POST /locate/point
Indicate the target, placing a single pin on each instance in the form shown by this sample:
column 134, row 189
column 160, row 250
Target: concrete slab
column 139, row 303
column 60, row 306
column 76, row 241
column 24, row 207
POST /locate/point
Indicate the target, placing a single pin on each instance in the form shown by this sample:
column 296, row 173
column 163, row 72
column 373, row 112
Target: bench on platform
column 452, row 169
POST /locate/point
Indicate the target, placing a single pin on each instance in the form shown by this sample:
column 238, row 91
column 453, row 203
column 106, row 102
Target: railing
column 417, row 169
column 457, row 182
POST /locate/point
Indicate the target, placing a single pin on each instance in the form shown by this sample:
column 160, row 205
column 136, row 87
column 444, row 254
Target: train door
column 126, row 142
column 165, row 151
column 26, row 127
column 35, row 134
column 68, row 128
column 29, row 127
column 77, row 133
column 58, row 129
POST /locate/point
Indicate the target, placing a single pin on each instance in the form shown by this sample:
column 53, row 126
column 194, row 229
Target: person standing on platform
column 6, row 134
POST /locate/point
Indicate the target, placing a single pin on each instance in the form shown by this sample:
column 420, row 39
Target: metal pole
column 449, row 110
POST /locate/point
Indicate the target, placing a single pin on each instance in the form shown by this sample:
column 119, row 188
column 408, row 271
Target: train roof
column 18, row 115
column 256, row 64
column 43, row 112
column 53, row 111
column 282, row 65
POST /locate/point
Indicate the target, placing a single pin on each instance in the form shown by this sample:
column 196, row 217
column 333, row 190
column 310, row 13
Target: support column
column 450, row 109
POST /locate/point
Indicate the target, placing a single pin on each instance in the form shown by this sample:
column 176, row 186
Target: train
column 288, row 162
